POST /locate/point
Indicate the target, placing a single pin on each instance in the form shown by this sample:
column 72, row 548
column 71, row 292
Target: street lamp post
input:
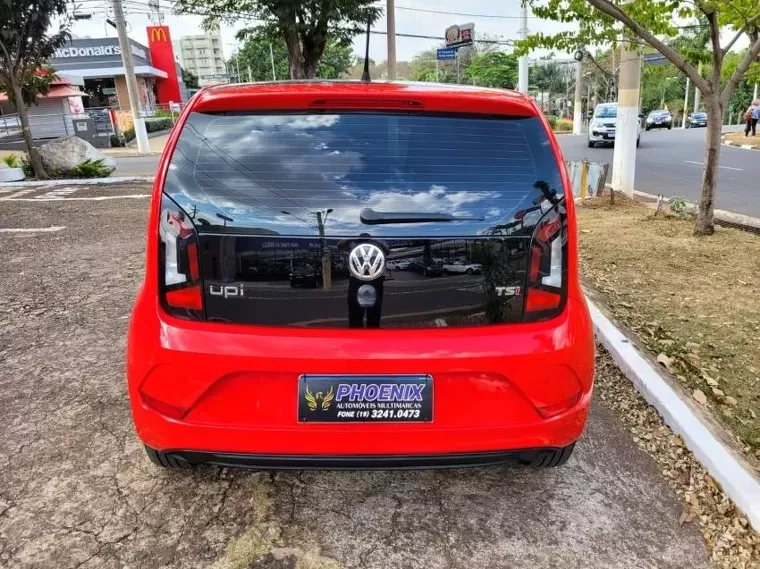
column 326, row 265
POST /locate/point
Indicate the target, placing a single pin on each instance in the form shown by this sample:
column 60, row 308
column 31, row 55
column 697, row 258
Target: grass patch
column 739, row 138
column 693, row 301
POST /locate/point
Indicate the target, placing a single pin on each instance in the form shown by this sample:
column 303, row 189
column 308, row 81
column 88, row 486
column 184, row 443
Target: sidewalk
column 738, row 139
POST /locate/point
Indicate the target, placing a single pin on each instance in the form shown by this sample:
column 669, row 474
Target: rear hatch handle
column 369, row 216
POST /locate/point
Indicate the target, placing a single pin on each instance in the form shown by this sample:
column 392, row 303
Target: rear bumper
column 362, row 462
column 230, row 392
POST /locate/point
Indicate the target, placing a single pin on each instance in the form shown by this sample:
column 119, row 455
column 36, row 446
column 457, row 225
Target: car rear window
column 269, row 174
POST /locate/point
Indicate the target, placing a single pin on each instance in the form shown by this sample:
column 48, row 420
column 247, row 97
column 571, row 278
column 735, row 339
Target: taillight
column 547, row 267
column 179, row 264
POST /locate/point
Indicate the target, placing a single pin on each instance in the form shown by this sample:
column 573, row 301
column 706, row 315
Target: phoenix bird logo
column 319, row 400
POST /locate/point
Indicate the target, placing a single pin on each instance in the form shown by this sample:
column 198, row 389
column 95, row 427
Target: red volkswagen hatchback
column 270, row 330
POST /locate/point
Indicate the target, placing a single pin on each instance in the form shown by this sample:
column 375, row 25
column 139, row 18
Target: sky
column 503, row 21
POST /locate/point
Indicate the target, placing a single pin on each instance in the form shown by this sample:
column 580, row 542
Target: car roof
column 323, row 95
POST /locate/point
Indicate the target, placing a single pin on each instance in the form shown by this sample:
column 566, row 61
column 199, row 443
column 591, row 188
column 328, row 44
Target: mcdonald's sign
column 159, row 34
column 162, row 57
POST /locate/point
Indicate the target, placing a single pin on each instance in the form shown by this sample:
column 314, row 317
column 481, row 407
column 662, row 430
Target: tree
column 494, row 69
column 652, row 22
column 303, row 25
column 25, row 46
column 190, row 79
column 551, row 78
column 255, row 55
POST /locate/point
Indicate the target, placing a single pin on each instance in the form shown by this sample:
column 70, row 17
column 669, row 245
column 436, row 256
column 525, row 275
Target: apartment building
column 203, row 56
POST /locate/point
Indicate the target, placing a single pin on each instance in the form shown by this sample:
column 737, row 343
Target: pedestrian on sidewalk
column 752, row 116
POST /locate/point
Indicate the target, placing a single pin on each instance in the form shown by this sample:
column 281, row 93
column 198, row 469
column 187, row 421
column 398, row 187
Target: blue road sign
column 654, row 58
column 446, row 53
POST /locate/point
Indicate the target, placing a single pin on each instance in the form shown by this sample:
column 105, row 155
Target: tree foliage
column 494, row 69
column 303, row 25
column 658, row 24
column 190, row 79
column 26, row 43
column 337, row 59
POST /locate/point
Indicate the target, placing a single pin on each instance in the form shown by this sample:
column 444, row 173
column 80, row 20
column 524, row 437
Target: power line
column 495, row 16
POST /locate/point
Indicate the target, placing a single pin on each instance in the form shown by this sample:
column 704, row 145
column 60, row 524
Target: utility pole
column 754, row 97
column 624, row 157
column 686, row 101
column 697, row 93
column 457, row 52
column 390, row 17
column 271, row 58
column 237, row 65
column 250, row 77
column 143, row 146
column 522, row 77
column 578, row 105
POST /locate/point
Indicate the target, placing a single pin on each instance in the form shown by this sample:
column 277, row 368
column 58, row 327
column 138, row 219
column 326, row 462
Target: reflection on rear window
column 271, row 173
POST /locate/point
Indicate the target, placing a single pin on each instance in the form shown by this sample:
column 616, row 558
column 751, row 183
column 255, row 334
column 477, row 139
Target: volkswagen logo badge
column 366, row 262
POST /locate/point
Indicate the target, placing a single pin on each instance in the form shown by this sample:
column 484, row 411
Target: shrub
column 116, row 140
column 12, row 161
column 27, row 167
column 563, row 125
column 154, row 125
column 552, row 121
column 678, row 205
column 89, row 169
column 162, row 114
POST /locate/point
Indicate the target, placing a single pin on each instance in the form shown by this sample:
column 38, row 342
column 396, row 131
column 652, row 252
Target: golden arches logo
column 158, row 34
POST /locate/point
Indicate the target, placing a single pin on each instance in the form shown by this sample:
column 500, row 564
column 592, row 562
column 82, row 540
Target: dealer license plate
column 365, row 398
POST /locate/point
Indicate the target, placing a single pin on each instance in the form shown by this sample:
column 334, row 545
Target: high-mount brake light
column 179, row 269
column 547, row 267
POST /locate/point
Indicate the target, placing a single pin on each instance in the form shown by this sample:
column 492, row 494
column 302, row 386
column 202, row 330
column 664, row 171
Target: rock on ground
column 64, row 154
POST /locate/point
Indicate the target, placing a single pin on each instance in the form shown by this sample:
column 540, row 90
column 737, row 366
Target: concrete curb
column 78, row 182
column 727, row 217
column 725, row 142
column 737, row 482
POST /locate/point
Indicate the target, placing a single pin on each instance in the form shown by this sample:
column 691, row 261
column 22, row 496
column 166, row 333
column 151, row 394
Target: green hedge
column 156, row 124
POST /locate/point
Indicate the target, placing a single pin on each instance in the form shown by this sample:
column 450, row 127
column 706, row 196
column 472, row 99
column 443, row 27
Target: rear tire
column 166, row 460
column 551, row 458
column 591, row 144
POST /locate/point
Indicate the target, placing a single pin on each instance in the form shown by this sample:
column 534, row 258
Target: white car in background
column 460, row 267
column 603, row 125
column 400, row 265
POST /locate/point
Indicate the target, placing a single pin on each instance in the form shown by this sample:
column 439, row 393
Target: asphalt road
column 76, row 489
column 671, row 163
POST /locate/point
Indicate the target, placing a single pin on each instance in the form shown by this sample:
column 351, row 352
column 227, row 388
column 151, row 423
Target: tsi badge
column 366, row 262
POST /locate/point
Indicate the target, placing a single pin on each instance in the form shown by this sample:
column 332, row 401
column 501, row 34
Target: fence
column 587, row 178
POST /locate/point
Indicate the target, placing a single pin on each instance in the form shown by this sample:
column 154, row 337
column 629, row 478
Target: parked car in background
column 305, row 274
column 426, row 269
column 659, row 119
column 696, row 120
column 462, row 267
column 400, row 265
column 604, row 125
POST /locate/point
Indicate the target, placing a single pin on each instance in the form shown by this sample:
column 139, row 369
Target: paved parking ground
column 77, row 491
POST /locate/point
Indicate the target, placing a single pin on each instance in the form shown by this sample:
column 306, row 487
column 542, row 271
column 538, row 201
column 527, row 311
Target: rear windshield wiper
column 369, row 216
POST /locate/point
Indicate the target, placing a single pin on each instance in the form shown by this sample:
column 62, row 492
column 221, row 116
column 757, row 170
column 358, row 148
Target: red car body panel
column 204, row 386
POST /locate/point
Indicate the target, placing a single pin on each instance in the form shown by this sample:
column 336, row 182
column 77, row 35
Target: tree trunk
column 313, row 48
column 705, row 223
column 31, row 151
column 295, row 56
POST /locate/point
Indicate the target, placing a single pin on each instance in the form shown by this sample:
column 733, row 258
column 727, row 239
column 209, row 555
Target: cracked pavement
column 77, row 491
